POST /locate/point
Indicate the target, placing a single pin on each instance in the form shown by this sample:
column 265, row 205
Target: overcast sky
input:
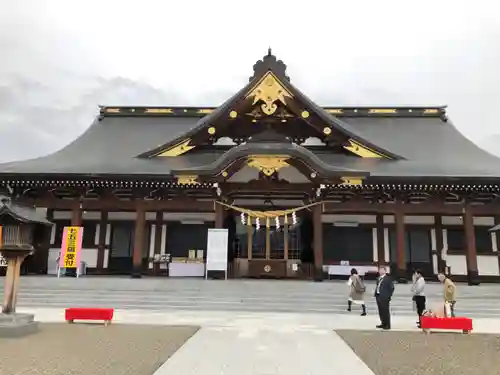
column 60, row 59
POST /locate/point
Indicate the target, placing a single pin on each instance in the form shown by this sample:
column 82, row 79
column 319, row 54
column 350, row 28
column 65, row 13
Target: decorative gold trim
column 382, row 110
column 187, row 180
column 269, row 90
column 363, row 151
column 211, row 130
column 333, row 111
column 268, row 164
column 224, row 174
column 205, row 111
column 353, row 181
column 233, row 114
column 159, row 110
column 327, row 130
column 431, row 111
column 179, row 149
column 305, row 114
column 336, row 111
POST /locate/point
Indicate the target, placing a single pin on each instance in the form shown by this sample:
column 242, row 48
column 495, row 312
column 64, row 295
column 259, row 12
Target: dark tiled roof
column 431, row 147
column 109, row 146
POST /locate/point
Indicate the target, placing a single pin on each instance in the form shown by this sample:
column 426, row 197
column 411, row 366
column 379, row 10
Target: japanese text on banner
column 71, row 247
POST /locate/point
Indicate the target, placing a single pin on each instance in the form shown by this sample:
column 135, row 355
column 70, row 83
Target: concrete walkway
column 265, row 321
column 219, row 351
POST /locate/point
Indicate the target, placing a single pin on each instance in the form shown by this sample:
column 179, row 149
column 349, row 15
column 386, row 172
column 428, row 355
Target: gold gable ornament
column 351, row 181
column 268, row 164
column 187, row 180
column 269, row 90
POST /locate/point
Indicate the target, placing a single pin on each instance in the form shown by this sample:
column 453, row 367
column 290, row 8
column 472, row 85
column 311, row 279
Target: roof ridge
column 338, row 111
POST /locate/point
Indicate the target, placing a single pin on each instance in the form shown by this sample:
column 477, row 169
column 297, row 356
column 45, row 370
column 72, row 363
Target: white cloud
column 60, row 59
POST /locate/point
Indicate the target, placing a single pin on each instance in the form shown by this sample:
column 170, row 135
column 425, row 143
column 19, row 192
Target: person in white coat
column 418, row 291
column 357, row 292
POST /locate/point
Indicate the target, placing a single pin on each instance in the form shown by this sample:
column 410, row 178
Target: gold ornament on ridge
column 268, row 164
column 269, row 90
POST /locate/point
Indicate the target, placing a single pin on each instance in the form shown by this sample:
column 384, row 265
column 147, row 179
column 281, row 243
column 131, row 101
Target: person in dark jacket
column 383, row 294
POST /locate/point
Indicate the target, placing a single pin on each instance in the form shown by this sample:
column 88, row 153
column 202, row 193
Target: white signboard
column 3, row 262
column 217, row 251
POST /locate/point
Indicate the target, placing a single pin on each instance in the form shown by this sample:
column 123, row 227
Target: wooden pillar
column 219, row 215
column 268, row 239
column 42, row 247
column 399, row 221
column 285, row 239
column 438, row 228
column 470, row 246
column 140, row 224
column 101, row 245
column 249, row 239
column 318, row 242
column 157, row 240
column 380, row 240
column 497, row 239
column 12, row 278
column 76, row 215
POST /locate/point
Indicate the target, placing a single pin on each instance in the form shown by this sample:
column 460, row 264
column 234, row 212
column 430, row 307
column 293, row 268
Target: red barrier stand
column 89, row 313
column 457, row 323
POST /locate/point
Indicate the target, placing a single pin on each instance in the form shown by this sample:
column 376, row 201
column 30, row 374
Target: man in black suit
column 383, row 294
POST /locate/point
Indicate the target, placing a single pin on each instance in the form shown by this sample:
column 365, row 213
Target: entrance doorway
column 269, row 249
column 417, row 250
column 122, row 245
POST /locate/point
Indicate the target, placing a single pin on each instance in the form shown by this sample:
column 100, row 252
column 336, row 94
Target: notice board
column 217, row 250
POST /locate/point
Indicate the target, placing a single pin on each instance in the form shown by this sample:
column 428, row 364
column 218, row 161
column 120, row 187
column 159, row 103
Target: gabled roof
column 424, row 143
column 270, row 143
column 431, row 147
column 268, row 87
column 22, row 213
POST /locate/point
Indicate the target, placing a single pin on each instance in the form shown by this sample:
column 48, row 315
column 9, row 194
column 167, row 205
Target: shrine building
column 368, row 186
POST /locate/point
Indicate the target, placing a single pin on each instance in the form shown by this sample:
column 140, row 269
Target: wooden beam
column 140, row 226
column 101, row 246
column 438, row 228
column 380, row 240
column 410, row 209
column 470, row 246
column 399, row 221
column 318, row 242
column 182, row 205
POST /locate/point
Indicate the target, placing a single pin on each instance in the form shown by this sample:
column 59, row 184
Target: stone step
column 155, row 308
column 174, row 300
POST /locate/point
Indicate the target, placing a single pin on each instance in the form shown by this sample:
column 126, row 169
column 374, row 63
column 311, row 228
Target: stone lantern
column 17, row 226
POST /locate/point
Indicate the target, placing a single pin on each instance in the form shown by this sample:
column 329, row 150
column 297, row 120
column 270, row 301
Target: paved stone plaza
column 263, row 327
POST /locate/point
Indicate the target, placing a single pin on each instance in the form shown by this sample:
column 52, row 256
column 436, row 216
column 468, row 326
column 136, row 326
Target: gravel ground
column 74, row 349
column 415, row 353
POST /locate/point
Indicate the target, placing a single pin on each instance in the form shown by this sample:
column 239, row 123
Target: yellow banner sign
column 71, row 247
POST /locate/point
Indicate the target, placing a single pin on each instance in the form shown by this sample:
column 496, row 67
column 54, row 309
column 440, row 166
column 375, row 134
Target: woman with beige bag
column 357, row 292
